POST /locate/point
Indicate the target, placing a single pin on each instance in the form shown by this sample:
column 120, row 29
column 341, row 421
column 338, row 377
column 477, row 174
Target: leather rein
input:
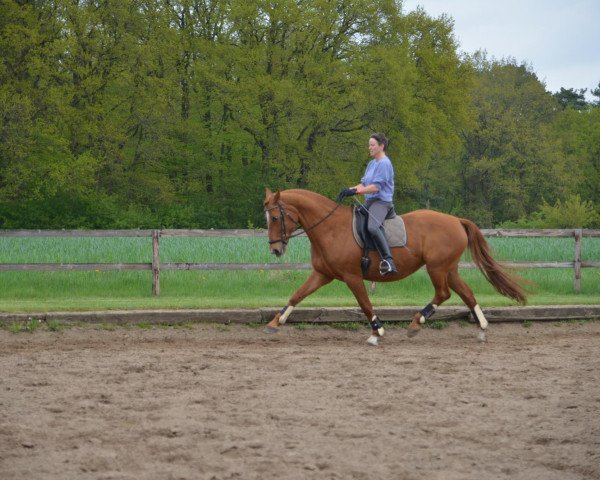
column 283, row 214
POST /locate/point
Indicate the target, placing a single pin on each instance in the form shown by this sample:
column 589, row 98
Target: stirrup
column 386, row 267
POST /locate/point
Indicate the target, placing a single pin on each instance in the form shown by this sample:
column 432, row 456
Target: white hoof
column 421, row 319
column 482, row 336
column 373, row 340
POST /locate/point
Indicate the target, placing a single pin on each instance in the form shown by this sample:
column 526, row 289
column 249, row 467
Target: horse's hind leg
column 466, row 294
column 315, row 281
column 439, row 279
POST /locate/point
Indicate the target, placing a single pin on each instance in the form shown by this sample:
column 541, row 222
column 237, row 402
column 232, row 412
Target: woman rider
column 377, row 185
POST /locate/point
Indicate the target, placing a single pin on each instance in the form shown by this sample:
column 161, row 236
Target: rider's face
column 375, row 150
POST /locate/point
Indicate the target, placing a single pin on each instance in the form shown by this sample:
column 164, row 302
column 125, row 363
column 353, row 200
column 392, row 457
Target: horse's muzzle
column 278, row 252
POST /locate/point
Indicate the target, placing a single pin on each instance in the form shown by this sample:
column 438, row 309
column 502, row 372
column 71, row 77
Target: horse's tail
column 491, row 269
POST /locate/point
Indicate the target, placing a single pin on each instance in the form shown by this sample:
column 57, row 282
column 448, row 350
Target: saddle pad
column 395, row 232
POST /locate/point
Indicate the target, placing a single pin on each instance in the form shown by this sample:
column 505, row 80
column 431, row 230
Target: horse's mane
column 299, row 193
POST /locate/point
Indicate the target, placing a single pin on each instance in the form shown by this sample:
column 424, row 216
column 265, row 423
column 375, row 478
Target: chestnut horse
column 434, row 239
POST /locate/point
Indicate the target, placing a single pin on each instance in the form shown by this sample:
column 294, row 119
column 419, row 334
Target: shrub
column 573, row 213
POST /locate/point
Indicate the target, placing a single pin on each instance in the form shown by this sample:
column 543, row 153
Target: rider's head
column 381, row 139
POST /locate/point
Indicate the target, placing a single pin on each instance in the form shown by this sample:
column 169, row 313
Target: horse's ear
column 269, row 194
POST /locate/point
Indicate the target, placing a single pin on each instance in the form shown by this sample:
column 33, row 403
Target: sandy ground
column 229, row 402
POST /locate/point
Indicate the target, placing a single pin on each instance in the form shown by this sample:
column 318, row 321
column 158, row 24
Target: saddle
column 393, row 227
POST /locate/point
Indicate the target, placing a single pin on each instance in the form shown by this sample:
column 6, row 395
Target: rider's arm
column 361, row 189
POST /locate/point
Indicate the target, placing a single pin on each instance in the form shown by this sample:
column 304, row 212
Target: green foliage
column 571, row 98
column 511, row 159
column 28, row 326
column 350, row 326
column 178, row 114
column 55, row 326
column 572, row 213
column 596, row 93
column 437, row 324
column 34, row 291
column 579, row 134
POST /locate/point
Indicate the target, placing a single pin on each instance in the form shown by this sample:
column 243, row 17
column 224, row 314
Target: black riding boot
column 387, row 266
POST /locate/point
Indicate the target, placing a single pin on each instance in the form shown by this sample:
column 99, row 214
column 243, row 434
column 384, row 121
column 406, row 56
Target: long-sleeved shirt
column 381, row 174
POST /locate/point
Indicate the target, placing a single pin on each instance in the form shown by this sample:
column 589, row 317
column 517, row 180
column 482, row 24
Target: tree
column 578, row 134
column 596, row 93
column 511, row 159
column 439, row 110
column 178, row 112
column 36, row 162
column 572, row 98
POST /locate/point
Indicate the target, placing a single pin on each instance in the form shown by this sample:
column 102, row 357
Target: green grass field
column 90, row 290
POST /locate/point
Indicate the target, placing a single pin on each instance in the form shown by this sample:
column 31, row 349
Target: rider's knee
column 373, row 228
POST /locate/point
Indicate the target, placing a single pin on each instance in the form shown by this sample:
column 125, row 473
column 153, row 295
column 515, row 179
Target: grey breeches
column 378, row 210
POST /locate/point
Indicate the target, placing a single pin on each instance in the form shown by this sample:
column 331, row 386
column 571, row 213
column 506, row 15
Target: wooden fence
column 156, row 266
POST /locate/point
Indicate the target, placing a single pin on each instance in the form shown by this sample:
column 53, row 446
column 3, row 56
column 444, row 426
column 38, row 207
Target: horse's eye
column 274, row 218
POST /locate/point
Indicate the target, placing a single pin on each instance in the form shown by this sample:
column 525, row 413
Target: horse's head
column 280, row 223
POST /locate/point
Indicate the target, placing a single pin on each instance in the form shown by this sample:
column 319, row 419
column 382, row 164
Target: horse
column 434, row 240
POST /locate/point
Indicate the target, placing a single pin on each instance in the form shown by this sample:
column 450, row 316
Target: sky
column 559, row 39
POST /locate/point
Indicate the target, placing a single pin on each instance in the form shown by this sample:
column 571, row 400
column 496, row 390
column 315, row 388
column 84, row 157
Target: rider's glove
column 346, row 192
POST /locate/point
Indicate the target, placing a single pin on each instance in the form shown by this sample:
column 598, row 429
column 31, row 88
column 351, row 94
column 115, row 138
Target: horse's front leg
column 315, row 281
column 357, row 286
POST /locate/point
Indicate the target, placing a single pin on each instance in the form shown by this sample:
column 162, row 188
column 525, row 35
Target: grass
column 350, row 326
column 34, row 291
column 248, row 249
column 32, row 326
column 437, row 324
column 29, row 326
column 54, row 326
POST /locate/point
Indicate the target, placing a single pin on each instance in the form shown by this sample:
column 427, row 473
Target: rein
column 283, row 213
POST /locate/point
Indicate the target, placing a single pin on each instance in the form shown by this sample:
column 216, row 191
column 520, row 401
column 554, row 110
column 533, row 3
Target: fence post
column 577, row 262
column 155, row 263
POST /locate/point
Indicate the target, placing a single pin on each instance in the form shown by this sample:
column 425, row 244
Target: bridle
column 283, row 230
column 283, row 214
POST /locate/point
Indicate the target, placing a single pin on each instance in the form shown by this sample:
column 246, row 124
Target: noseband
column 283, row 214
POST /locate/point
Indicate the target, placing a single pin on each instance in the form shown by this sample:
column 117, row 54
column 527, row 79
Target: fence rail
column 156, row 265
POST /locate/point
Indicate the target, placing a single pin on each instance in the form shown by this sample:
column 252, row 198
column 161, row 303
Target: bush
column 573, row 213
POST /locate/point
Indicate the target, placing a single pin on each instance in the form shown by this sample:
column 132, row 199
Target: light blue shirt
column 381, row 174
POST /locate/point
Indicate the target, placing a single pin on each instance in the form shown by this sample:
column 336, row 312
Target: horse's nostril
column 276, row 252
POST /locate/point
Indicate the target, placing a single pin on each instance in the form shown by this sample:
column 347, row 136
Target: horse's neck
column 313, row 209
column 310, row 206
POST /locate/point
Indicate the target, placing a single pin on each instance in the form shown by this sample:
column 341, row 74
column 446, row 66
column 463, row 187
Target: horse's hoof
column 481, row 336
column 411, row 332
column 270, row 330
column 373, row 340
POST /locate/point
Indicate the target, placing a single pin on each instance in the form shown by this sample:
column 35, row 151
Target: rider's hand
column 346, row 192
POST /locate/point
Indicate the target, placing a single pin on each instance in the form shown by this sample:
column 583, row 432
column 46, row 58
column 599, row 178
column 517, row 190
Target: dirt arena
column 229, row 402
